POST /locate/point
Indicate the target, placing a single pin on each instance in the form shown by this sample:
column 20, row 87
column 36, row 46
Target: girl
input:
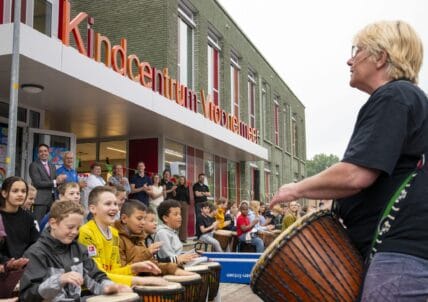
column 19, row 224
column 155, row 193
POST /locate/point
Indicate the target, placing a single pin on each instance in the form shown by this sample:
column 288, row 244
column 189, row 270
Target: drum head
column 119, row 297
column 223, row 233
column 197, row 268
column 170, row 287
column 212, row 264
column 179, row 279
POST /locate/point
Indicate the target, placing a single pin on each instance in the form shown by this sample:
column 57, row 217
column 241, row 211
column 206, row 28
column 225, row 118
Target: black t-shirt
column 390, row 135
column 200, row 188
column 205, row 221
column 168, row 186
column 21, row 232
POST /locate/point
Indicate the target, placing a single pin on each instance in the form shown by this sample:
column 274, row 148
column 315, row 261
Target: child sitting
column 31, row 197
column 121, row 196
column 102, row 241
column 18, row 223
column 131, row 239
column 205, row 227
column 244, row 227
column 58, row 265
column 171, row 249
column 221, row 205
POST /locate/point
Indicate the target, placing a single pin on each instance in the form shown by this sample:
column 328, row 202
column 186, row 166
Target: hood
column 54, row 244
column 123, row 231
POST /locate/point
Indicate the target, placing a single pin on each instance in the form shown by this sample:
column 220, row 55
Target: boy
column 243, row 228
column 171, row 249
column 121, row 196
column 102, row 241
column 58, row 266
column 131, row 241
column 205, row 227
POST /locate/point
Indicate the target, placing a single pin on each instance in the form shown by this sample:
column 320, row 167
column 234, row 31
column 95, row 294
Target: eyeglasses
column 355, row 50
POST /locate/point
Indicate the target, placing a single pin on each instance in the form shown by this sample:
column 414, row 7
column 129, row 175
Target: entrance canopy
column 90, row 100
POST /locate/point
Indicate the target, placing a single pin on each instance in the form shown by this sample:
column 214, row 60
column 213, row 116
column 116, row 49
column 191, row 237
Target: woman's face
column 16, row 195
column 363, row 69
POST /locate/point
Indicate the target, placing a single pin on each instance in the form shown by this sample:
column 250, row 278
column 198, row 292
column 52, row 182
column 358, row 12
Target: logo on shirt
column 92, row 251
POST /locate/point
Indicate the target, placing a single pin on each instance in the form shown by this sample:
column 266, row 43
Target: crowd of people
column 62, row 233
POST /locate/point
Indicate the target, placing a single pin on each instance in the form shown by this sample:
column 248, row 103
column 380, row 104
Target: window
column 295, row 138
column 287, row 127
column 276, row 121
column 175, row 158
column 234, row 85
column 42, row 16
column 213, row 67
column 209, row 172
column 267, row 185
column 265, row 111
column 185, row 46
column 232, row 175
column 252, row 99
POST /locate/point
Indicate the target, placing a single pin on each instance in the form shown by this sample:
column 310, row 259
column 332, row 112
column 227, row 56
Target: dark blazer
column 42, row 182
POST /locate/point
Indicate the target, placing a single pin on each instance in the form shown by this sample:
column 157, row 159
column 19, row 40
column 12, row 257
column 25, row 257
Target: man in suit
column 44, row 179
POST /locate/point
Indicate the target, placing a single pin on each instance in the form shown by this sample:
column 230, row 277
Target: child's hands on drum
column 154, row 248
column 183, row 258
column 182, row 272
column 286, row 193
column 149, row 281
column 116, row 288
column 145, row 266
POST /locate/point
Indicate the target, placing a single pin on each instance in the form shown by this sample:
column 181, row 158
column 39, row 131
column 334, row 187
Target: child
column 121, row 196
column 67, row 191
column 171, row 249
column 58, row 265
column 205, row 227
column 253, row 212
column 131, row 241
column 292, row 216
column 149, row 228
column 102, row 241
column 31, row 197
column 243, row 228
column 18, row 223
column 221, row 205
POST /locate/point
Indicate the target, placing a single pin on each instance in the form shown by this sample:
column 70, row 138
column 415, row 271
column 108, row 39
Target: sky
column 308, row 43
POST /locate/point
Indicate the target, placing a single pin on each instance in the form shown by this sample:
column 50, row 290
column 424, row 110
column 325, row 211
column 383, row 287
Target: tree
column 319, row 163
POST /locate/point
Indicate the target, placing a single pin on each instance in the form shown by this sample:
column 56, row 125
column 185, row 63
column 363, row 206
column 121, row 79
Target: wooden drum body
column 173, row 292
column 269, row 236
column 119, row 297
column 313, row 260
column 224, row 237
column 214, row 281
column 205, row 274
column 191, row 285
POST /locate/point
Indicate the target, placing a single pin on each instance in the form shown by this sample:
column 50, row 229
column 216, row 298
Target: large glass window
column 295, row 137
column 276, row 122
column 213, row 68
column 231, row 177
column 209, row 172
column 252, row 99
column 267, row 186
column 86, row 155
column 43, row 16
column 185, row 47
column 234, row 85
column 175, row 158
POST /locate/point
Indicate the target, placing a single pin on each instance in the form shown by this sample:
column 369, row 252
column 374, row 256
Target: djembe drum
column 224, row 237
column 119, row 297
column 313, row 260
column 191, row 285
column 269, row 236
column 172, row 292
column 214, row 281
column 205, row 273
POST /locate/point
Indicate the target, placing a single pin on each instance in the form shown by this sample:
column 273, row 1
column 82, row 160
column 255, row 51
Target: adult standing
column 68, row 169
column 183, row 197
column 200, row 192
column 94, row 180
column 45, row 180
column 156, row 195
column 384, row 166
column 168, row 185
column 140, row 184
column 117, row 179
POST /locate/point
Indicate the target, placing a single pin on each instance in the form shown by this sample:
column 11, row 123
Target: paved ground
column 230, row 292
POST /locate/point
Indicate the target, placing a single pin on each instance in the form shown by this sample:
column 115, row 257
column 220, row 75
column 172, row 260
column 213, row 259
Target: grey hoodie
column 171, row 247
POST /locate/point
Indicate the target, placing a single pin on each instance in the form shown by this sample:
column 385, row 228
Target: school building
column 173, row 83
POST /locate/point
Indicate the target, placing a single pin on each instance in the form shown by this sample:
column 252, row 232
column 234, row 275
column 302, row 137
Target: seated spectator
column 221, row 205
column 18, row 223
column 102, row 242
column 131, row 239
column 150, row 228
column 155, row 191
column 67, row 191
column 117, row 179
column 262, row 213
column 292, row 216
column 94, row 180
column 276, row 217
column 244, row 227
column 205, row 227
column 11, row 270
column 50, row 276
column 121, row 196
column 231, row 215
column 253, row 213
column 31, row 197
column 171, row 249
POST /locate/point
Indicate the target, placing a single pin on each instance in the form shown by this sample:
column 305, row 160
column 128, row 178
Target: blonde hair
column 62, row 208
column 255, row 205
column 401, row 43
column 31, row 188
